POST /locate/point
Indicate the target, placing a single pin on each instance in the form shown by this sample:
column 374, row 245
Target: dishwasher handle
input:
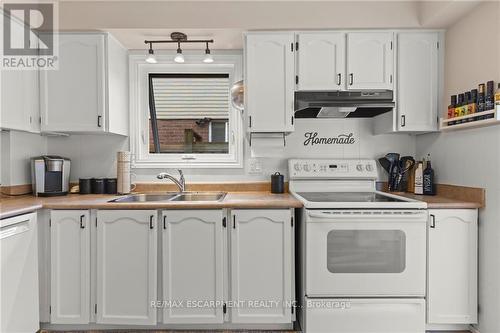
column 361, row 215
column 14, row 229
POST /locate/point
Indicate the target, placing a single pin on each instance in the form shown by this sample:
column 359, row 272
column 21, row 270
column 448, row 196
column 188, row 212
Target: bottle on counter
column 497, row 98
column 473, row 103
column 481, row 100
column 428, row 178
column 418, row 189
column 452, row 106
column 489, row 100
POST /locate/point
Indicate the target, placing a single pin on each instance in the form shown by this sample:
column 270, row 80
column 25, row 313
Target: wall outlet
column 254, row 166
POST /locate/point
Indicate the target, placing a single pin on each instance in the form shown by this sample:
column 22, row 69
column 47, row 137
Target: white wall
column 16, row 150
column 472, row 157
column 95, row 155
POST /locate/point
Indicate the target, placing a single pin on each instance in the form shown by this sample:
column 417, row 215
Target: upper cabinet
column 370, row 60
column 20, row 94
column 321, row 61
column 417, row 81
column 89, row 91
column 269, row 81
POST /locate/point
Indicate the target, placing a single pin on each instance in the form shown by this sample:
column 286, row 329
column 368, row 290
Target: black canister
column 110, row 185
column 84, row 185
column 277, row 183
column 97, row 185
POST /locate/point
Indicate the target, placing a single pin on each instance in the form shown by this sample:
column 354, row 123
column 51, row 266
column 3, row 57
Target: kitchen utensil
column 393, row 159
column 385, row 163
column 277, row 183
column 405, row 164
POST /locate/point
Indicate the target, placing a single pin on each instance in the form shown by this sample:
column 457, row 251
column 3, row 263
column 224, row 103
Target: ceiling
column 133, row 21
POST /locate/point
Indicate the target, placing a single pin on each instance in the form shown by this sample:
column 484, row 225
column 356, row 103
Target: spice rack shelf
column 495, row 120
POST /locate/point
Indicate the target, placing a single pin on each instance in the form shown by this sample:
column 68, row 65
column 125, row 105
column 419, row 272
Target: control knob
column 296, row 166
column 307, row 167
column 369, row 167
column 359, row 167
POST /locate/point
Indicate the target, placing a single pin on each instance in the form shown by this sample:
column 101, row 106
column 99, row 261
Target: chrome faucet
column 181, row 182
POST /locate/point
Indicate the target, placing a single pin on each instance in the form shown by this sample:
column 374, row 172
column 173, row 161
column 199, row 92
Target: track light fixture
column 179, row 37
column 179, row 58
column 151, row 59
column 208, row 57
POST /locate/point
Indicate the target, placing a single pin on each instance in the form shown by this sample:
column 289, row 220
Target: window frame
column 228, row 62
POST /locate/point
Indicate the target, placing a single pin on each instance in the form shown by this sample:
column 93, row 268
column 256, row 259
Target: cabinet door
column 321, row 61
column 73, row 97
column 417, row 93
column 261, row 266
column 70, row 266
column 126, row 266
column 20, row 100
column 270, row 81
column 193, row 266
column 452, row 281
column 369, row 60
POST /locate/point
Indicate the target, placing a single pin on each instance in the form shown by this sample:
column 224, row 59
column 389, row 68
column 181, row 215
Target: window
column 189, row 113
column 181, row 114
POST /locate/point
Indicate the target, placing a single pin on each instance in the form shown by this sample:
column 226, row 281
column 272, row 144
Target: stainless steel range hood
column 343, row 104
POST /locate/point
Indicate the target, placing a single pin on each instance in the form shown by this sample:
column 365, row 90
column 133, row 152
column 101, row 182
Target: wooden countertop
column 11, row 206
column 441, row 202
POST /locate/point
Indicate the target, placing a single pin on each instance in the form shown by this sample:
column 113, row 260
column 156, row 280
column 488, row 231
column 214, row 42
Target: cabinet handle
column 351, row 79
column 339, row 79
column 403, row 121
column 99, row 118
column 234, row 221
column 249, row 121
column 82, row 225
column 151, row 221
column 433, row 221
column 165, row 222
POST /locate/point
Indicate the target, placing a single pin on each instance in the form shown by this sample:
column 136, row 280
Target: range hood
column 343, row 104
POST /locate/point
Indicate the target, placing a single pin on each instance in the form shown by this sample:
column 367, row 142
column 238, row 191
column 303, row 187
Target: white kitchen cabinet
column 452, row 271
column 261, row 265
column 321, row 59
column 269, row 81
column 70, row 266
column 417, row 81
column 126, row 266
column 19, row 94
column 19, row 284
column 89, row 91
column 193, row 266
column 370, row 60
column 20, row 102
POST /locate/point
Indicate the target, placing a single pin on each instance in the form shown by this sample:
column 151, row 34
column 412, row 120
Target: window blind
column 191, row 96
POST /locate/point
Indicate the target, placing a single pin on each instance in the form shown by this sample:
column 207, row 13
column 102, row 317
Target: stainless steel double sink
column 172, row 197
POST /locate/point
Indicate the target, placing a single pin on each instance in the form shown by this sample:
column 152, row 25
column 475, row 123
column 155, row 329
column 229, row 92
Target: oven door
column 365, row 253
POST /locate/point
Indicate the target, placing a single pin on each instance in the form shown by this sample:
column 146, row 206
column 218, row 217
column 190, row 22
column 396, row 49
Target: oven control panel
column 326, row 168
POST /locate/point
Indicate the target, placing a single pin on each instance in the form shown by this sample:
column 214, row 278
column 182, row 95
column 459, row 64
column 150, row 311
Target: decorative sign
column 312, row 139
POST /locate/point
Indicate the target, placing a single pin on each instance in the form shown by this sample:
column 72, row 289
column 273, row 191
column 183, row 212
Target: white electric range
column 362, row 251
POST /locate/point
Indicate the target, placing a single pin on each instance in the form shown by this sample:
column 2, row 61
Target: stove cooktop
column 347, row 197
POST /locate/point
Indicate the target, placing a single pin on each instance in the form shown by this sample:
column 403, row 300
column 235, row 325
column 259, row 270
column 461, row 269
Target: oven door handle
column 419, row 215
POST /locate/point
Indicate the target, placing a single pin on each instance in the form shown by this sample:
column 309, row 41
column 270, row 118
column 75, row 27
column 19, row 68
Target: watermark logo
column 29, row 38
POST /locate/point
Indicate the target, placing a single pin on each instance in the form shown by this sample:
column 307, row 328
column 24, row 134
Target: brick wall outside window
column 171, row 131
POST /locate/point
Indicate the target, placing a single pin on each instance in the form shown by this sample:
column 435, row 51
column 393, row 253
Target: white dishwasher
column 19, row 307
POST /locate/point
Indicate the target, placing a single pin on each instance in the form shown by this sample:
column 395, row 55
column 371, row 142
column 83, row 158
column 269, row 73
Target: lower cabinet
column 261, row 266
column 70, row 266
column 193, row 266
column 217, row 266
column 452, row 271
column 126, row 266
